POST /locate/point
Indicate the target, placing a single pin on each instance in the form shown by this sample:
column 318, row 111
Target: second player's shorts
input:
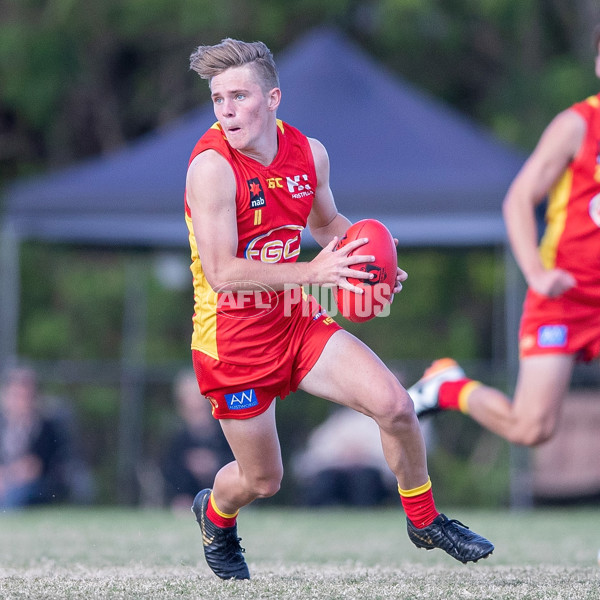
column 559, row 326
column 244, row 391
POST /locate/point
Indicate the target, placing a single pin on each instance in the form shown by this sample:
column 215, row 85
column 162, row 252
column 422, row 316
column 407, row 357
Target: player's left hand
column 400, row 277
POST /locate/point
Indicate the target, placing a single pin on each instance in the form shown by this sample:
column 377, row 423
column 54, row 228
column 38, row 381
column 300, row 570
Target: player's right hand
column 552, row 282
column 333, row 266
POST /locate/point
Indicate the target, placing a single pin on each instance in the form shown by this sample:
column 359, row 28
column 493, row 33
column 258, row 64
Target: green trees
column 80, row 78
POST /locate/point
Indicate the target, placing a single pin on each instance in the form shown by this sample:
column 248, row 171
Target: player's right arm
column 556, row 148
column 211, row 193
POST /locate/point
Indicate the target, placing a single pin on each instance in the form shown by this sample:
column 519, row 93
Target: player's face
column 243, row 109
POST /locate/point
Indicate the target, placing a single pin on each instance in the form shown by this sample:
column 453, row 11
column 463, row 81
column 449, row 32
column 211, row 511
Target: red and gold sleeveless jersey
column 273, row 203
column 572, row 237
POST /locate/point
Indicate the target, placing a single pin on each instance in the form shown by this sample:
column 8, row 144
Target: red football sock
column 453, row 395
column 220, row 519
column 419, row 505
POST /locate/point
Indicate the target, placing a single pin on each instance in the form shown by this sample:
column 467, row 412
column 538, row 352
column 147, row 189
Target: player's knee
column 267, row 485
column 533, row 433
column 535, row 438
column 394, row 406
column 268, row 488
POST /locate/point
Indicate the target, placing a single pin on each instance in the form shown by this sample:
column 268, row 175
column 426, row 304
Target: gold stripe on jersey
column 556, row 216
column 593, row 101
column 258, row 216
column 204, row 336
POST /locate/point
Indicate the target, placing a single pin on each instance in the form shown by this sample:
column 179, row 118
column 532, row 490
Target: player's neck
column 265, row 150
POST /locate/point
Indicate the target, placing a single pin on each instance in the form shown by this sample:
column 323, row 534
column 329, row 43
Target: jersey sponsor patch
column 552, row 336
column 257, row 194
column 241, row 400
column 299, row 186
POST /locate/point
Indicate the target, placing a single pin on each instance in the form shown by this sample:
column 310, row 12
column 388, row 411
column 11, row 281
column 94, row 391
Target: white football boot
column 425, row 393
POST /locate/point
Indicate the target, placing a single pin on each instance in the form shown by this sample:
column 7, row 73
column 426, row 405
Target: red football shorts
column 559, row 326
column 245, row 391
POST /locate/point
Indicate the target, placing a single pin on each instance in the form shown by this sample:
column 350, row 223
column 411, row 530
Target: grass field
column 68, row 553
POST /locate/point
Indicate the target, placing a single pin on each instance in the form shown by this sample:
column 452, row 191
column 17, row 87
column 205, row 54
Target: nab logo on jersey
column 241, row 400
column 257, row 195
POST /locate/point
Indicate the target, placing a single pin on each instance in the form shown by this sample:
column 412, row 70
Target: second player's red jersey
column 272, row 204
column 572, row 237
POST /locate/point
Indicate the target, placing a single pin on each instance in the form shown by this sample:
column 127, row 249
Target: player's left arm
column 558, row 145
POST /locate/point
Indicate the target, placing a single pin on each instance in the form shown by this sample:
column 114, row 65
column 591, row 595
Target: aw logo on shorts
column 552, row 336
column 241, row 400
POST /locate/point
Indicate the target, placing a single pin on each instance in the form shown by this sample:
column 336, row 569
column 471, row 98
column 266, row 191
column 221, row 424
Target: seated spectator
column 34, row 447
column 343, row 463
column 197, row 450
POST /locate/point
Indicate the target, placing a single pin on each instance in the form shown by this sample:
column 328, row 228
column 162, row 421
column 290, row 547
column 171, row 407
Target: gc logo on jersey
column 241, row 400
column 277, row 245
column 257, row 195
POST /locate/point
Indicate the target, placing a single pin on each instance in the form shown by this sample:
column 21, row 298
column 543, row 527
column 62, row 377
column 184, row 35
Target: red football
column 377, row 291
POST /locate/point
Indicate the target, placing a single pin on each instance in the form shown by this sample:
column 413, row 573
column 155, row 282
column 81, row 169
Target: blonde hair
column 209, row 61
